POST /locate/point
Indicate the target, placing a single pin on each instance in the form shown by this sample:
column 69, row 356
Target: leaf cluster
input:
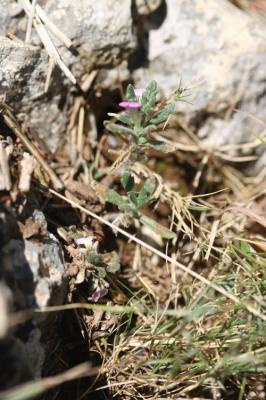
column 134, row 201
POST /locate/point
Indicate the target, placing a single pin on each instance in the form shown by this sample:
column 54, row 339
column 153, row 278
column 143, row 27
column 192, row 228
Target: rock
column 15, row 368
column 219, row 52
column 100, row 40
column 36, row 268
column 22, row 78
column 101, row 31
column 32, row 274
column 5, row 15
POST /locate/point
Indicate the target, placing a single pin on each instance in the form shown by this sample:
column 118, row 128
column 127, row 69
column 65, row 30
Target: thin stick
column 195, row 275
column 34, row 151
column 30, row 21
column 212, row 238
column 47, row 41
column 80, row 130
column 53, row 28
column 4, row 170
column 51, row 65
column 37, row 387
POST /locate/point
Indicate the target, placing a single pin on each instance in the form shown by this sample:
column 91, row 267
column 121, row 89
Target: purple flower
column 132, row 105
column 139, row 91
column 99, row 294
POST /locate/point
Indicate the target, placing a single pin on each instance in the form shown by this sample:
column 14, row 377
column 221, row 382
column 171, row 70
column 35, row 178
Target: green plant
column 142, row 117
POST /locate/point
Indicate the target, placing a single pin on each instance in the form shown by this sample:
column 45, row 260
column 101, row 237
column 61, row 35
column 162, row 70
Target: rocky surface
column 101, row 31
column 36, row 266
column 100, row 39
column 22, row 78
column 5, row 15
column 32, row 275
column 219, row 52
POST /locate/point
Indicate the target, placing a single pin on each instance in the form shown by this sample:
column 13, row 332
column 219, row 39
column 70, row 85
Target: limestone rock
column 22, row 78
column 5, row 15
column 219, row 52
column 32, row 275
column 101, row 31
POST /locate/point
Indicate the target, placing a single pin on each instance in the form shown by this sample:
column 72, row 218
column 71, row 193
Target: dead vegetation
column 182, row 319
column 176, row 319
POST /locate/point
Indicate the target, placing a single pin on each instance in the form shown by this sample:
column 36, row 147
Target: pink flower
column 139, row 91
column 133, row 105
column 88, row 242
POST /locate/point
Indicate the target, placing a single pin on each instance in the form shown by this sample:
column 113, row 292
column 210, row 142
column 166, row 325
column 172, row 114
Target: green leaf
column 97, row 174
column 148, row 99
column 113, row 197
column 245, row 248
column 128, row 182
column 151, row 89
column 133, row 198
column 115, row 128
column 122, row 118
column 149, row 129
column 160, row 145
column 113, row 264
column 145, row 194
column 142, row 140
column 131, row 96
column 163, row 115
column 158, row 228
column 102, row 272
column 94, row 258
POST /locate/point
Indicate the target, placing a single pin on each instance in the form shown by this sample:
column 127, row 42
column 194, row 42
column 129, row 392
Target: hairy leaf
column 131, row 96
column 149, row 129
column 157, row 228
column 122, row 117
column 94, row 258
column 145, row 194
column 163, row 115
column 160, row 145
column 113, row 264
column 111, row 196
column 128, row 182
column 115, row 128
column 148, row 99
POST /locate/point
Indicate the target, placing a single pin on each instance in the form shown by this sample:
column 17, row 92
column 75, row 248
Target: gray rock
column 101, row 31
column 102, row 34
column 15, row 367
column 219, row 52
column 37, row 268
column 32, row 274
column 5, row 16
column 23, row 71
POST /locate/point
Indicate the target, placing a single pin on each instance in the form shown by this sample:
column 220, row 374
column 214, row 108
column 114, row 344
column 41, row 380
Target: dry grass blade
column 80, row 130
column 27, row 166
column 32, row 389
column 47, row 41
column 30, row 21
column 249, row 213
column 53, row 28
column 212, row 238
column 159, row 253
column 5, row 180
column 13, row 125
